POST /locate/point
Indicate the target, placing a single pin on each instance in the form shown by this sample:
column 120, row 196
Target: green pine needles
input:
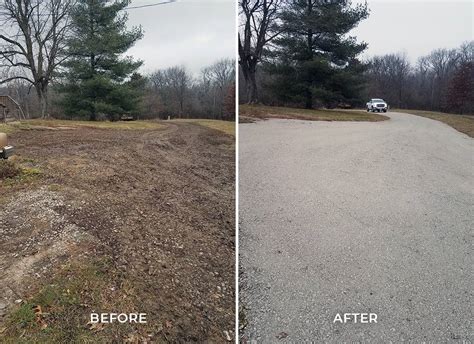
column 99, row 80
column 314, row 62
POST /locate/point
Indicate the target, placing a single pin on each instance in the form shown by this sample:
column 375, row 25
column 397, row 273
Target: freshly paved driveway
column 356, row 217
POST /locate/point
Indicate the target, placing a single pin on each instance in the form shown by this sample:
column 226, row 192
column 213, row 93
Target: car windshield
column 377, row 100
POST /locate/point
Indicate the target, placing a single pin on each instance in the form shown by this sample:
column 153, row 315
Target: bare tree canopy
column 440, row 81
column 175, row 92
column 392, row 71
column 173, row 84
column 32, row 42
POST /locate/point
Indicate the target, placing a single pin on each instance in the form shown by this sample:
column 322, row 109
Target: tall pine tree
column 97, row 80
column 314, row 59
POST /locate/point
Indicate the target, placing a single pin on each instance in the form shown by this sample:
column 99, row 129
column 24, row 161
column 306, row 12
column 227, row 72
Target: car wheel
column 385, row 110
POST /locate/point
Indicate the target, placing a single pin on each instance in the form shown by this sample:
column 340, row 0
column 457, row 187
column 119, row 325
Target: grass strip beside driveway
column 265, row 112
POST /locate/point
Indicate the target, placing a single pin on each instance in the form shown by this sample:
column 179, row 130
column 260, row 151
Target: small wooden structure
column 9, row 108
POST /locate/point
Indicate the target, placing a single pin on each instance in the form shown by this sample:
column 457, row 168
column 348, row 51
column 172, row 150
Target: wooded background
column 301, row 53
column 67, row 59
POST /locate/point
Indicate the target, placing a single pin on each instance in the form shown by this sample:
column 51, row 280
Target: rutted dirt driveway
column 156, row 205
column 347, row 217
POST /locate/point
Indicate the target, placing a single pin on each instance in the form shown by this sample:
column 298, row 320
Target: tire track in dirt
column 160, row 205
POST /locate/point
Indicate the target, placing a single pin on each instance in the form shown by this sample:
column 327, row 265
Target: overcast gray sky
column 193, row 33
column 415, row 27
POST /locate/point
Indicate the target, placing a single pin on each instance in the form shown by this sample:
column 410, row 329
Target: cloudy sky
column 415, row 27
column 193, row 33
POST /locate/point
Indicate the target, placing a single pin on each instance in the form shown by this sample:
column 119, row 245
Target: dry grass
column 462, row 123
column 227, row 127
column 58, row 313
column 17, row 171
column 12, row 127
column 264, row 112
column 55, row 124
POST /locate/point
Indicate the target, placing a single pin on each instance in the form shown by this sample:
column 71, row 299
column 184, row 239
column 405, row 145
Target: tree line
column 300, row 53
column 440, row 81
column 72, row 53
column 176, row 92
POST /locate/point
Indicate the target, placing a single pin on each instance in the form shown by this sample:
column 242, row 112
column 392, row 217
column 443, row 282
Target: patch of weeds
column 8, row 169
column 24, row 317
column 58, row 312
column 12, row 173
column 28, row 161
column 54, row 187
column 27, row 172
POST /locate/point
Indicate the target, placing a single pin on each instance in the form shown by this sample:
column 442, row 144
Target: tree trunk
column 309, row 99
column 252, row 91
column 400, row 95
column 309, row 42
column 93, row 114
column 42, row 95
column 45, row 104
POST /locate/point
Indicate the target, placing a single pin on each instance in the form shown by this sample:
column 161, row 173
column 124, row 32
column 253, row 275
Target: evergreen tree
column 98, row 76
column 314, row 59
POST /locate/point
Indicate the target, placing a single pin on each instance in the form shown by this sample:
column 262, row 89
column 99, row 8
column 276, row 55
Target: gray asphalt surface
column 344, row 217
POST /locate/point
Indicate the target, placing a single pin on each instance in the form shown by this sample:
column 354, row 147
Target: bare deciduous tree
column 439, row 81
column 259, row 18
column 32, row 42
column 442, row 63
column 175, row 92
column 216, row 81
column 173, row 84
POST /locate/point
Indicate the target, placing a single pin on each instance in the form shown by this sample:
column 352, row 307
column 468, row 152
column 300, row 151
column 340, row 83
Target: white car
column 377, row 104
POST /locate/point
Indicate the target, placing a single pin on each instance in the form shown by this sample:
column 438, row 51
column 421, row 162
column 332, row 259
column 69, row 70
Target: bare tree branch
column 32, row 39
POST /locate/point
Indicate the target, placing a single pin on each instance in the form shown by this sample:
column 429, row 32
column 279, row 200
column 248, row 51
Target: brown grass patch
column 227, row 127
column 56, row 124
column 265, row 112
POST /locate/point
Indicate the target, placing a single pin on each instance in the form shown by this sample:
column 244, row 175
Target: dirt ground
column 119, row 221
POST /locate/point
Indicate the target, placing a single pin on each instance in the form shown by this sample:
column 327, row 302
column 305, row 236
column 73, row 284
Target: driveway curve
column 356, row 217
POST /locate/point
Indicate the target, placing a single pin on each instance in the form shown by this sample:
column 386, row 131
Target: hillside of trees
column 67, row 59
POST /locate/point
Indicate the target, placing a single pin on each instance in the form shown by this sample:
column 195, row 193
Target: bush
column 8, row 169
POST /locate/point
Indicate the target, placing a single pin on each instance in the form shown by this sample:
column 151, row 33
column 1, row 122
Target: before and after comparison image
column 236, row 171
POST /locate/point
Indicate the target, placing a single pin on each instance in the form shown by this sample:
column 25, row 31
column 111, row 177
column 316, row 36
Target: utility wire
column 124, row 9
column 150, row 5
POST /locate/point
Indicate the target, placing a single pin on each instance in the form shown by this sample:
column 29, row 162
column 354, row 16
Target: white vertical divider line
column 236, row 25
